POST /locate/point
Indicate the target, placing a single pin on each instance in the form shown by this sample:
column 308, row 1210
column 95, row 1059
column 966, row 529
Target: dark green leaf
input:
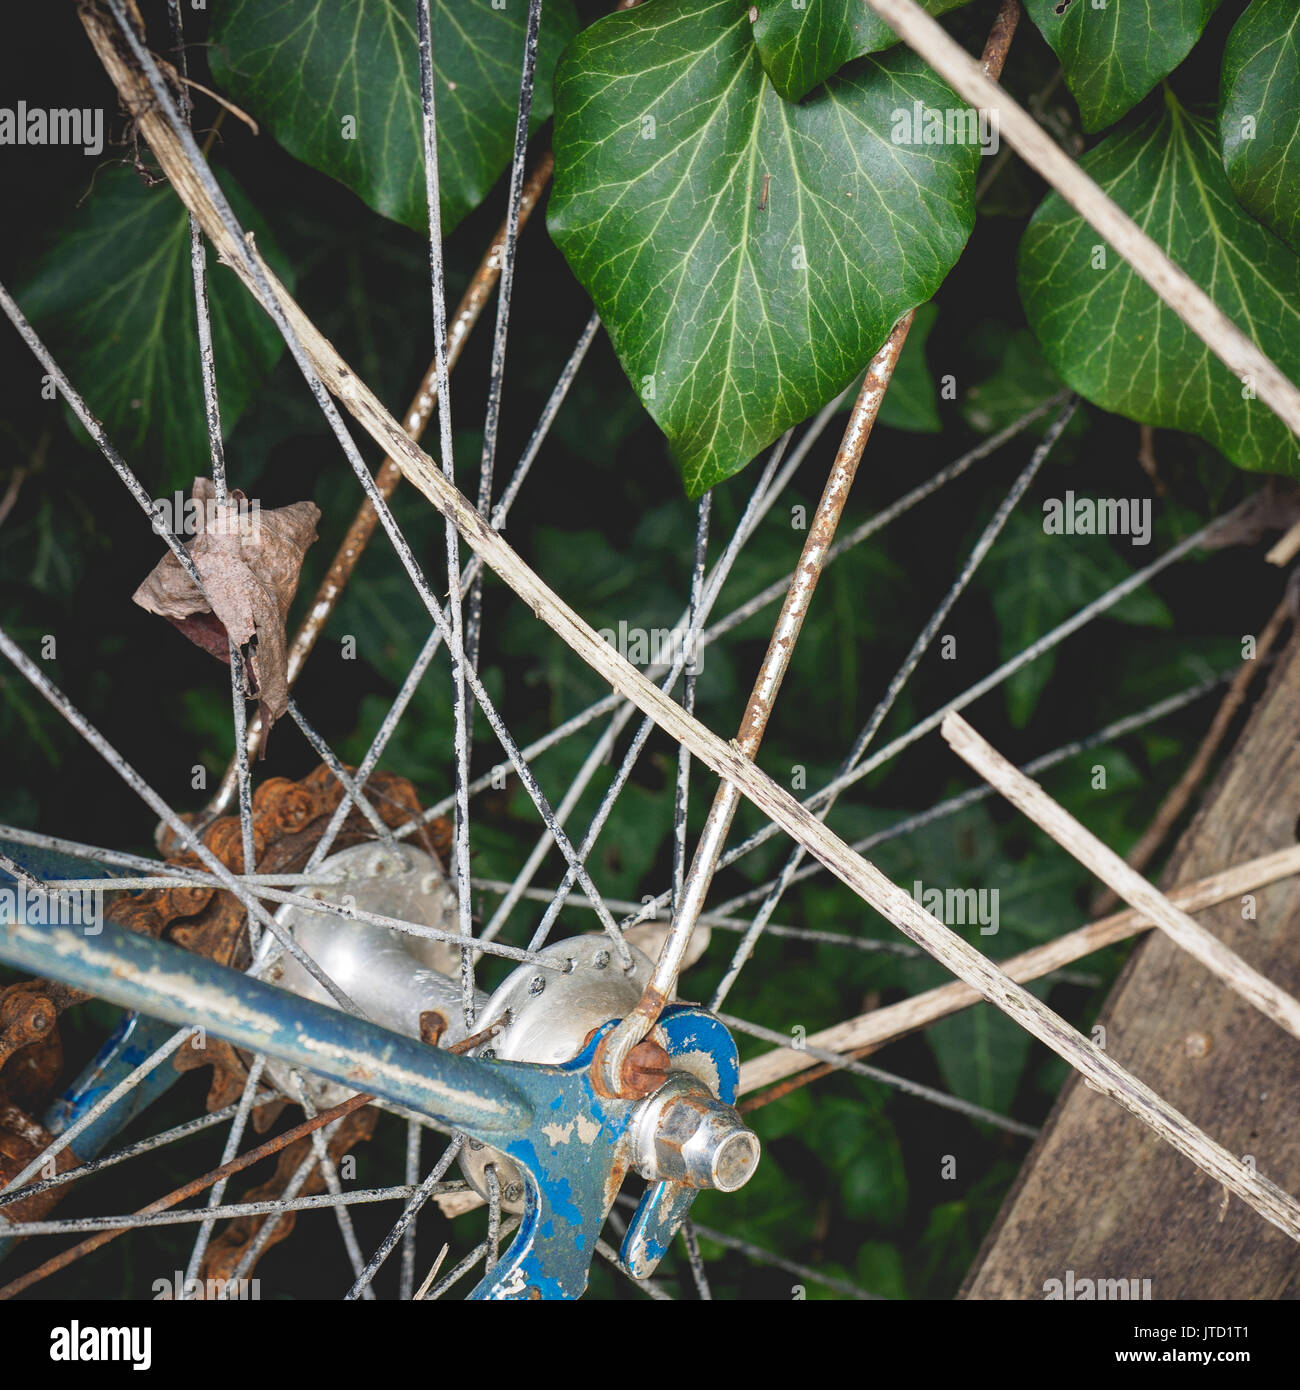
column 981, row 1053
column 338, row 85
column 1109, row 335
column 1259, row 115
column 802, row 42
column 912, row 401
column 880, row 1270
column 115, row 298
column 1037, row 580
column 1113, row 55
column 1021, row 381
column 735, row 321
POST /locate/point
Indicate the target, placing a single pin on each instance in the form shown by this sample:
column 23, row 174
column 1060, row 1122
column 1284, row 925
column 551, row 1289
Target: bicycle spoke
column 463, row 1268
column 761, row 500
column 898, row 1083
column 180, row 828
column 274, row 1207
column 940, row 810
column 708, row 919
column 455, row 644
column 243, row 1112
column 610, row 703
column 767, row 1257
column 647, row 1286
column 920, row 646
column 990, row 682
column 764, row 494
column 212, row 414
column 409, row 685
column 505, row 293
column 692, row 1244
column 142, row 1146
column 406, row 1222
column 892, row 1021
column 406, row 1289
column 325, row 1162
column 352, row 793
column 493, row 1240
column 879, row 520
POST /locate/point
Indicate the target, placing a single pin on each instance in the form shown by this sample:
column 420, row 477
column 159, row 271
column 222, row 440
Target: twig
column 1146, row 456
column 11, row 493
column 856, row 1037
column 1029, row 798
column 1286, row 549
column 433, row 1273
column 221, row 101
column 1175, row 803
column 416, row 419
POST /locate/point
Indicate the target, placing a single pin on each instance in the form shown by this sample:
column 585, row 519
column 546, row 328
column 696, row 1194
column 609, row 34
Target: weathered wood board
column 1099, row 1194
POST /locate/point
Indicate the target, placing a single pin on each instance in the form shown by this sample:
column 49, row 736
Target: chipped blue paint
column 134, row 1039
column 663, row 1208
column 550, row 1256
column 168, row 983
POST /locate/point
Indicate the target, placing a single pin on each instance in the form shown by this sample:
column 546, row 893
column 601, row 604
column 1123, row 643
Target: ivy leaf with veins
column 803, row 45
column 1115, row 53
column 1113, row 340
column 338, row 85
column 1259, row 115
column 747, row 255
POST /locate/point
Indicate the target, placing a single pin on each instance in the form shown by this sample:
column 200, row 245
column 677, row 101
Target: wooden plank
column 1099, row 1194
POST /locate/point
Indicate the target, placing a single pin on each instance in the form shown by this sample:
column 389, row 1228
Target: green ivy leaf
column 1114, row 55
column 1115, row 342
column 982, row 1054
column 1259, row 115
column 735, row 321
column 338, row 85
column 802, row 42
column 1037, row 579
column 114, row 297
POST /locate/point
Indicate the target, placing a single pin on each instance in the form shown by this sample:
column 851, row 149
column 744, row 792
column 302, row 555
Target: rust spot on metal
column 645, row 1070
column 433, row 1024
column 288, row 820
column 21, row 1139
column 479, row 1038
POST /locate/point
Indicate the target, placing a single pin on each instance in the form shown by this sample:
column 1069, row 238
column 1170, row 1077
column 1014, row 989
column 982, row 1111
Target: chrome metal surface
column 684, row 1134
column 394, row 977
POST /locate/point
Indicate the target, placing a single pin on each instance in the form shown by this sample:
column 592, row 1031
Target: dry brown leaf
column 248, row 560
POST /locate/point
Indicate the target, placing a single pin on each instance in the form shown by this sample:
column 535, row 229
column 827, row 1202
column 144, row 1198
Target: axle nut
column 684, row 1135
